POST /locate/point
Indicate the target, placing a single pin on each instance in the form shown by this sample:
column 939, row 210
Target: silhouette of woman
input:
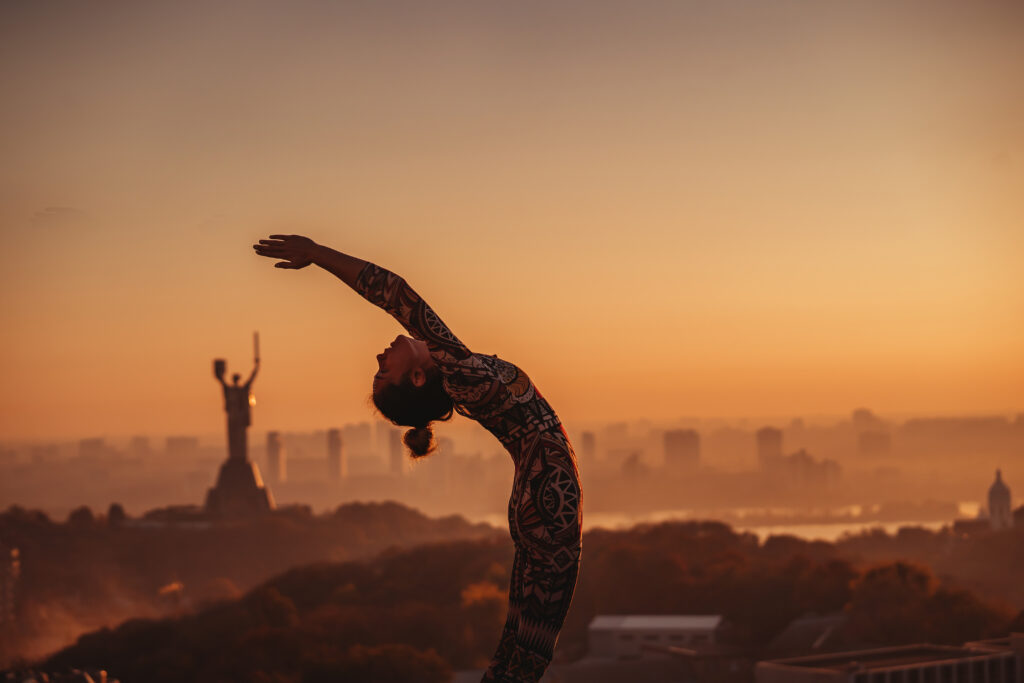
column 425, row 378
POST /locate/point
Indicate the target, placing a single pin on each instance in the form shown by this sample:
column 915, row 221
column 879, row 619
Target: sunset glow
column 675, row 210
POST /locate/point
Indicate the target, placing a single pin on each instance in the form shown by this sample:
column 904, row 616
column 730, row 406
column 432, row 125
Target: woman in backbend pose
column 432, row 374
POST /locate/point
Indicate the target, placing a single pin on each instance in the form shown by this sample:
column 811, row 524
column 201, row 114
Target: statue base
column 239, row 491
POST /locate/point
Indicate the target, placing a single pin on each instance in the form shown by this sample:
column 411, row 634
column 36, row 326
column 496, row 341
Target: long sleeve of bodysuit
column 469, row 379
column 544, row 509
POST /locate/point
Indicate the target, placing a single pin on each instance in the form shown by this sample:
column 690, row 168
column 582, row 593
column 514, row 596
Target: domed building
column 1000, row 512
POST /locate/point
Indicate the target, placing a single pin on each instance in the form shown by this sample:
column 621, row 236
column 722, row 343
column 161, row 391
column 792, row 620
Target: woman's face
column 405, row 355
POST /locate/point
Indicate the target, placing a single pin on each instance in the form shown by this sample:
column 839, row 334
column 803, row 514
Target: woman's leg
column 539, row 599
column 545, row 524
column 506, row 646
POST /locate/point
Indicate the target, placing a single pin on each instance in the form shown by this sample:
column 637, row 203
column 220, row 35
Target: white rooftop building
column 642, row 636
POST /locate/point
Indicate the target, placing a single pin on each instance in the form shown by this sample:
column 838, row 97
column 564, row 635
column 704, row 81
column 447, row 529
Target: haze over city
column 748, row 274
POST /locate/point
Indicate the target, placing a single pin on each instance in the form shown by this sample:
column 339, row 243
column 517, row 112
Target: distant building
column 634, row 467
column 769, row 447
column 92, row 449
column 277, row 463
column 181, row 446
column 358, row 437
column 971, row 527
column 44, row 454
column 634, row 636
column 874, row 443
column 395, row 453
column 956, row 427
column 336, row 466
column 682, row 450
column 904, row 664
column 382, row 438
column 1000, row 511
column 184, row 516
column 865, row 420
column 803, row 468
column 588, row 447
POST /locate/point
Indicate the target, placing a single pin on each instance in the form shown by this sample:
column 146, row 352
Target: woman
column 425, row 378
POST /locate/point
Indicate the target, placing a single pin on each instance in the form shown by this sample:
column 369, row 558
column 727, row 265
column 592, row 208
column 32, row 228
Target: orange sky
column 657, row 209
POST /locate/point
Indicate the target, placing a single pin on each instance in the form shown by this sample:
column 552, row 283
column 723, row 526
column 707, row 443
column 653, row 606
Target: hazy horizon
column 459, row 427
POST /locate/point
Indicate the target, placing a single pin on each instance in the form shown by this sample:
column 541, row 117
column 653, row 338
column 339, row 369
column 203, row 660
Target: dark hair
column 408, row 405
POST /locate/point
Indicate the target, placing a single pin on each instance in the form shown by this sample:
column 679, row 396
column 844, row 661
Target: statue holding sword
column 238, row 400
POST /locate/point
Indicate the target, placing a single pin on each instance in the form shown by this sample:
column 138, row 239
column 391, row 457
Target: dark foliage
column 413, row 615
column 96, row 571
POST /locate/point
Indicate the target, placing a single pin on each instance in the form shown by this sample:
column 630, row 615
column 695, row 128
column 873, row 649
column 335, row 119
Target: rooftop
column 618, row 622
column 882, row 658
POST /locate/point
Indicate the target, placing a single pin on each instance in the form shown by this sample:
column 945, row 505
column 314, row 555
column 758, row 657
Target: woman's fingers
column 288, row 248
column 267, row 249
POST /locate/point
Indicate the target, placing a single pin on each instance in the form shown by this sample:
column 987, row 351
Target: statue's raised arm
column 255, row 358
column 255, row 370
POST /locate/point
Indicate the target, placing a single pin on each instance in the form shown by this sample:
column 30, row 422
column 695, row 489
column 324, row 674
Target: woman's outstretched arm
column 377, row 285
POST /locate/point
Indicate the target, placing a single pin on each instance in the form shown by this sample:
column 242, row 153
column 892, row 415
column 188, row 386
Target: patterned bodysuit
column 544, row 510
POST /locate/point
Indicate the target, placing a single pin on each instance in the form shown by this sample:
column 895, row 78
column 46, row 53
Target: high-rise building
column 44, row 454
column 336, row 465
column 395, row 452
column 91, row 449
column 277, row 465
column 769, row 447
column 589, row 447
column 682, row 450
column 864, row 420
column 1000, row 511
column 382, row 437
column 358, row 438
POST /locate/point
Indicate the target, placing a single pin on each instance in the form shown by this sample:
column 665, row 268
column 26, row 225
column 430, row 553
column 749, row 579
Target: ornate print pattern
column 544, row 515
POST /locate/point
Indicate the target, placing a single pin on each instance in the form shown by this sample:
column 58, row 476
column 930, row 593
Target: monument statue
column 238, row 402
column 239, row 491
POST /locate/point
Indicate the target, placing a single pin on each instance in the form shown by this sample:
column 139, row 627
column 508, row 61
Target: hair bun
column 420, row 440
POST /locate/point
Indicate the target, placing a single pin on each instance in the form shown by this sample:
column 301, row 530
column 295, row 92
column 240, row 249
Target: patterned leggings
column 544, row 519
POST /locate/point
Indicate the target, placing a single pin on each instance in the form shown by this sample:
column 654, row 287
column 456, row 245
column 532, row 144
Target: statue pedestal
column 239, row 491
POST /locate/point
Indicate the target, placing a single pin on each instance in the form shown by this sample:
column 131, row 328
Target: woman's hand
column 295, row 251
